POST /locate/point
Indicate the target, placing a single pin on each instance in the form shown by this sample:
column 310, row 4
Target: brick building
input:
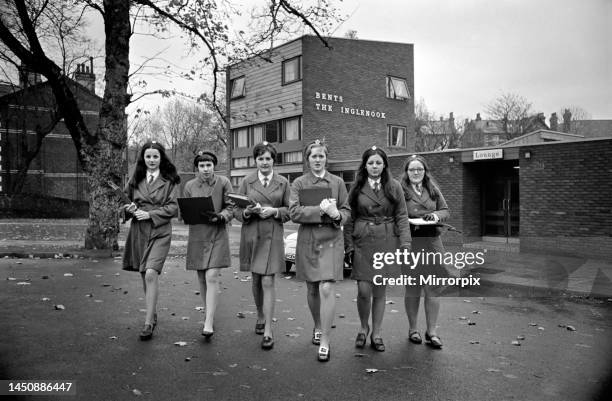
column 31, row 108
column 357, row 94
column 530, row 195
column 479, row 132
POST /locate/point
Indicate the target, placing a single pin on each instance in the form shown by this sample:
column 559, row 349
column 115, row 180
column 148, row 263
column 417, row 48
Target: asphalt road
column 94, row 341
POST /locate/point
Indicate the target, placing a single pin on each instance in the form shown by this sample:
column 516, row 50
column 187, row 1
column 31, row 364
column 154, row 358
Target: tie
column 150, row 179
column 265, row 182
column 376, row 187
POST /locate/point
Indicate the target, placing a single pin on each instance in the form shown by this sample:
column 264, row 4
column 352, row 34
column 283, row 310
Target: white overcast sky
column 555, row 53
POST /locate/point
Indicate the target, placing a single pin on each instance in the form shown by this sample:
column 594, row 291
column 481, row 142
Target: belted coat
column 148, row 241
column 319, row 253
column 208, row 244
column 261, row 240
column 377, row 224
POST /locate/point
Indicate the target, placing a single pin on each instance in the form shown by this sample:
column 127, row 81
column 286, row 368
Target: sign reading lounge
column 488, row 154
column 355, row 111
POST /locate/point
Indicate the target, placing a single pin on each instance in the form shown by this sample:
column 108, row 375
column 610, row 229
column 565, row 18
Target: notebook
column 193, row 209
column 313, row 196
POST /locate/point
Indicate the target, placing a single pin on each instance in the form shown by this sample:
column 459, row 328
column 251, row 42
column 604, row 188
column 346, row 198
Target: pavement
column 501, row 274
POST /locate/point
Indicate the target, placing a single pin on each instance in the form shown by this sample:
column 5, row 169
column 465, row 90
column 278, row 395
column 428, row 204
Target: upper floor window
column 237, row 87
column 397, row 88
column 241, row 138
column 293, row 157
column 271, row 132
column 292, row 70
column 397, row 136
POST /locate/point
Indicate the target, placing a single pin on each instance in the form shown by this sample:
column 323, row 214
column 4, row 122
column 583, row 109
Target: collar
column 155, row 174
column 418, row 189
column 209, row 181
column 373, row 182
column 320, row 177
column 261, row 176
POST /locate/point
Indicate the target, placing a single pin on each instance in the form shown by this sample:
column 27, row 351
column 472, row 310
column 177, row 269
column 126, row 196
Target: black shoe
column 267, row 343
column 415, row 337
column 207, row 334
column 433, row 341
column 377, row 344
column 259, row 328
column 147, row 332
column 360, row 341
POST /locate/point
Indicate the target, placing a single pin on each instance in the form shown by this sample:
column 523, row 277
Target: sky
column 555, row 53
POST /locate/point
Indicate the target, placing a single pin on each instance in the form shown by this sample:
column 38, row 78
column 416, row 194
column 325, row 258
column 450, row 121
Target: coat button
column 320, row 225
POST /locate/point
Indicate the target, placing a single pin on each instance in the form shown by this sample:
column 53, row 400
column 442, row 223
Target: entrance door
column 501, row 205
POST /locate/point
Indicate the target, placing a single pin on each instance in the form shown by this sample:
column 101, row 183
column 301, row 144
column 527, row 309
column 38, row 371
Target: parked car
column 290, row 242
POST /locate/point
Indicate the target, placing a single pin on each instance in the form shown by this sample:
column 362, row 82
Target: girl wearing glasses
column 423, row 200
column 319, row 253
column 379, row 223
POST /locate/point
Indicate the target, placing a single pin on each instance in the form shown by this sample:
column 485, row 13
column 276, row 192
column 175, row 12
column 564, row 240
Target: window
column 251, row 161
column 258, row 134
column 397, row 88
column 271, row 132
column 291, row 129
column 292, row 70
column 237, row 86
column 241, row 138
column 397, row 136
column 236, row 181
column 241, row 162
column 293, row 157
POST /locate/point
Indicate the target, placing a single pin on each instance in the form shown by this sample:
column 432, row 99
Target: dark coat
column 208, row 244
column 376, row 225
column 319, row 252
column 262, row 249
column 148, row 241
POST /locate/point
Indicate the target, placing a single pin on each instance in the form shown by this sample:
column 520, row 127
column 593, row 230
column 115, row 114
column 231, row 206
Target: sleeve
column 342, row 205
column 187, row 190
column 302, row 214
column 227, row 210
column 401, row 219
column 442, row 210
column 283, row 211
column 348, row 229
column 238, row 211
column 169, row 208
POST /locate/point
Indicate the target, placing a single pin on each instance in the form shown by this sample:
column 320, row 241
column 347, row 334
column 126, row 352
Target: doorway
column 500, row 201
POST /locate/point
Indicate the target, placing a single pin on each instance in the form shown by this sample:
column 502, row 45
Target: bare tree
column 100, row 152
column 511, row 110
column 351, row 34
column 575, row 116
column 434, row 133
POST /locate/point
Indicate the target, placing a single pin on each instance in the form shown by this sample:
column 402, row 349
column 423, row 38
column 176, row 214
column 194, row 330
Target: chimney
column 451, row 122
column 478, row 117
column 85, row 76
column 554, row 122
column 27, row 77
column 567, row 120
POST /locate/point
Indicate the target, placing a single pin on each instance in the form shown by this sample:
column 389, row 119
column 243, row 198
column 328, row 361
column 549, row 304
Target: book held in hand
column 239, row 200
column 193, row 210
column 313, row 196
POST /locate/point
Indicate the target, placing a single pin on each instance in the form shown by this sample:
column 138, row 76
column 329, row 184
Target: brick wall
column 565, row 198
column 355, row 70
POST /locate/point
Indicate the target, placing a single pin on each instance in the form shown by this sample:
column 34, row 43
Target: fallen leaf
column 583, row 345
column 199, row 308
column 492, row 370
column 540, row 328
column 240, row 315
column 185, row 317
column 68, row 275
column 509, row 376
column 187, row 359
column 220, row 373
column 233, row 365
column 89, row 295
column 113, row 337
column 389, row 303
column 533, row 324
column 467, row 300
column 45, row 299
column 518, row 344
column 59, row 307
column 371, row 370
column 274, row 319
column 341, row 316
column 358, row 355
column 476, row 312
column 180, row 343
column 11, row 279
column 137, row 392
column 291, row 318
column 44, row 277
column 474, row 342
column 23, row 283
column 471, row 323
column 337, row 295
column 393, row 311
column 561, row 325
column 520, row 337
column 571, row 328
column 462, row 318
column 292, row 335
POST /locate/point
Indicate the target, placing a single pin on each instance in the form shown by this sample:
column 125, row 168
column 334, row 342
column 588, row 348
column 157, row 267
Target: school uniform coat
column 262, row 250
column 426, row 238
column 208, row 244
column 376, row 225
column 148, row 241
column 319, row 253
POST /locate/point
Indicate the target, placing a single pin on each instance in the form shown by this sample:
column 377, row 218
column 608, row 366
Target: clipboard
column 313, row 196
column 193, row 209
column 421, row 222
column 241, row 201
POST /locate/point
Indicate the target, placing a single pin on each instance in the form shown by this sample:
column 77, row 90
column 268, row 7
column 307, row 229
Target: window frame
column 284, row 129
column 389, row 87
column 233, row 83
column 299, row 70
column 235, row 141
column 390, row 143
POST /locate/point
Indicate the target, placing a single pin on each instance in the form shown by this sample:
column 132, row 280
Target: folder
column 313, row 196
column 239, row 200
column 193, row 210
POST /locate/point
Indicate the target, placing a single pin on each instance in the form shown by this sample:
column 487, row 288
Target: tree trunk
column 104, row 159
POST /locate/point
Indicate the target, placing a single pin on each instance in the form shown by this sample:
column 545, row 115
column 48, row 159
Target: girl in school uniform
column 208, row 244
column 423, row 200
column 152, row 190
column 319, row 252
column 379, row 223
column 261, row 238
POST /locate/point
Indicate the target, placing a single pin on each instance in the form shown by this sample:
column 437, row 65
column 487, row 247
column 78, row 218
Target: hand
column 328, row 206
column 431, row 217
column 215, row 218
column 131, row 208
column 252, row 209
column 142, row 215
column 267, row 212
